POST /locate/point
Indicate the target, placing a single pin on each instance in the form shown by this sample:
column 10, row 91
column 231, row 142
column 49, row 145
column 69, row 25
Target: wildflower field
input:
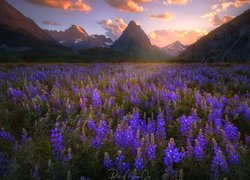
column 124, row 121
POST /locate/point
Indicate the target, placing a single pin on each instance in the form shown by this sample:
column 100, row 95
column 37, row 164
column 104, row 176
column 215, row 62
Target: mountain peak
column 177, row 42
column 174, row 49
column 77, row 29
column 132, row 23
column 134, row 41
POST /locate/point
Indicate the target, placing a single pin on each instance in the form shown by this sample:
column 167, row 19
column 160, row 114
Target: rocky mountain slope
column 229, row 42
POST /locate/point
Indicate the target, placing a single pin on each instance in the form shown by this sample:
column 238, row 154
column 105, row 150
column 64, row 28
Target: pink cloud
column 223, row 5
column 163, row 38
column 215, row 20
column 128, row 5
column 166, row 16
column 71, row 5
column 113, row 28
column 176, row 2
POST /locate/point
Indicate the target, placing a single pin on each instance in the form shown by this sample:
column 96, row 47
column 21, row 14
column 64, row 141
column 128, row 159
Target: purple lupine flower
column 151, row 126
column 120, row 158
column 75, row 89
column 170, row 96
column 248, row 140
column 215, row 116
column 151, row 151
column 160, row 129
column 135, row 100
column 68, row 156
column 125, row 138
column 231, row 132
column 4, row 163
column 91, row 124
column 101, row 133
column 102, row 130
column 186, row 124
column 233, row 156
column 96, row 99
column 168, row 112
column 25, row 137
column 198, row 151
column 120, row 137
column 172, row 154
column 134, row 176
column 134, row 121
column 246, row 114
column 124, row 167
column 32, row 91
column 217, row 122
column 56, row 139
column 83, row 102
column 198, row 98
column 6, row 136
column 16, row 94
column 219, row 162
column 107, row 162
column 97, row 142
column 202, row 140
column 138, row 163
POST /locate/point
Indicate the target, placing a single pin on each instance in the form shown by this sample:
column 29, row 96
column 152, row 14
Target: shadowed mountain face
column 174, row 49
column 135, row 42
column 77, row 38
column 229, row 42
column 18, row 31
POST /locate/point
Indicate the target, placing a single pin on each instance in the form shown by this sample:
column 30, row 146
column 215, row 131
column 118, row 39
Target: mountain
column 174, row 49
column 229, row 42
column 135, row 42
column 20, row 33
column 77, row 38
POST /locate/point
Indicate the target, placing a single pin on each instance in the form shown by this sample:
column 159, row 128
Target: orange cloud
column 176, row 2
column 163, row 38
column 128, row 5
column 223, row 5
column 166, row 16
column 113, row 28
column 76, row 5
column 215, row 20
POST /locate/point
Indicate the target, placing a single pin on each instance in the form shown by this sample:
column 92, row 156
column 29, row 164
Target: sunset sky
column 165, row 21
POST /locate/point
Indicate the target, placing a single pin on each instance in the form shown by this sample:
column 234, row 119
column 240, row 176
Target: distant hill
column 135, row 42
column 19, row 33
column 174, row 49
column 77, row 38
column 229, row 42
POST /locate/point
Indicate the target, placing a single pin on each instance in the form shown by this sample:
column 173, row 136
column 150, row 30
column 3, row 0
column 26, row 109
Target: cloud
column 51, row 23
column 215, row 20
column 128, row 5
column 163, row 38
column 71, row 5
column 224, row 5
column 221, row 6
column 166, row 16
column 113, row 28
column 176, row 2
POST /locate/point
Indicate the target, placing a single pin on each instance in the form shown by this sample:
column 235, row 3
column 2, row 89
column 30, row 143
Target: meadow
column 125, row 121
